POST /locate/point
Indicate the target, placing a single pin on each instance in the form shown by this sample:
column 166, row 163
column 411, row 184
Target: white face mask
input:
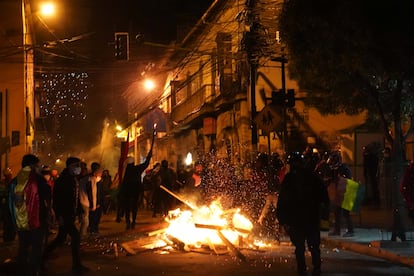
column 77, row 170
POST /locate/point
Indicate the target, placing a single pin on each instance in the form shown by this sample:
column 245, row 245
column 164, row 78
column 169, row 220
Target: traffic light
column 290, row 95
column 278, row 97
column 122, row 46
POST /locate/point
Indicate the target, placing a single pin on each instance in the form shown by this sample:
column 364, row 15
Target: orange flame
column 183, row 225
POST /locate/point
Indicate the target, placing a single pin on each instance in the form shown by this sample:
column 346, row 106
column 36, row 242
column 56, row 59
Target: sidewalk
column 371, row 236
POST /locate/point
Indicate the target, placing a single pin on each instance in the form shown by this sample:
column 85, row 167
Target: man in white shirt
column 88, row 195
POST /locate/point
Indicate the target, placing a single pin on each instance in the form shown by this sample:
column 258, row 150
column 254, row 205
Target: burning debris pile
column 207, row 225
column 204, row 229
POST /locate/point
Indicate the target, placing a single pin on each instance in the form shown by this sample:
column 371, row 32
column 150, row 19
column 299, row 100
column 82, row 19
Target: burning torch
column 154, row 133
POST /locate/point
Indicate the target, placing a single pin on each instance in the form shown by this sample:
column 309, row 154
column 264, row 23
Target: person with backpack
column 29, row 203
column 339, row 172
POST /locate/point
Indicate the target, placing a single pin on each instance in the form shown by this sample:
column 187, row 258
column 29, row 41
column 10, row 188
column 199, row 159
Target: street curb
column 367, row 249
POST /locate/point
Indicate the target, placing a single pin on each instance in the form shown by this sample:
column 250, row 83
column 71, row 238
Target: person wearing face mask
column 66, row 207
column 29, row 201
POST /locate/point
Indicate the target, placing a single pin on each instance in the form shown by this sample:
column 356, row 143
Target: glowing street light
column 149, row 85
column 47, row 9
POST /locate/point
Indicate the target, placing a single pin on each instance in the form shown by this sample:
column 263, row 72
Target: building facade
column 228, row 93
column 17, row 108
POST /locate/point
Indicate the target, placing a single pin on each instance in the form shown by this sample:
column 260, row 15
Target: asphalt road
column 99, row 255
column 140, row 254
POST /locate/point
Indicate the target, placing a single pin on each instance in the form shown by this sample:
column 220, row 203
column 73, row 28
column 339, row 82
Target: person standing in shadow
column 298, row 210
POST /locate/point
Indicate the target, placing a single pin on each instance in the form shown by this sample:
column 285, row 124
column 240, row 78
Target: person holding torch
column 132, row 189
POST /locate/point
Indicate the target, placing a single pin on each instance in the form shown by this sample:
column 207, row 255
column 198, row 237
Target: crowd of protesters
column 38, row 201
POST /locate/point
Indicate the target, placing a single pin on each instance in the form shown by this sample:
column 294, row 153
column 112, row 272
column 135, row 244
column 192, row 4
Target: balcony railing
column 193, row 104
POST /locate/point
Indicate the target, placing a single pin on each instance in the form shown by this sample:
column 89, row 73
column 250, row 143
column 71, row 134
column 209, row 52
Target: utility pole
column 283, row 61
column 252, row 47
column 253, row 71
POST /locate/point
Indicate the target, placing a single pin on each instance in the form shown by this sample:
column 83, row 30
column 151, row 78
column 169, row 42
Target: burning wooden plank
column 217, row 227
column 142, row 245
column 216, row 250
column 192, row 207
column 231, row 247
column 157, row 232
column 177, row 242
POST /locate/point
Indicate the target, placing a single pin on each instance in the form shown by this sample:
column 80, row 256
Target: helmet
column 295, row 158
column 275, row 161
column 262, row 161
column 335, row 158
column 46, row 170
column 263, row 157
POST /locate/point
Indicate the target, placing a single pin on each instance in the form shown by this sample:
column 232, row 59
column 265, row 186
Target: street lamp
column 149, row 84
column 47, row 9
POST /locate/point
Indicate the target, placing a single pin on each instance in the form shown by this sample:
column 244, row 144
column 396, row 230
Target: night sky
column 96, row 22
column 156, row 19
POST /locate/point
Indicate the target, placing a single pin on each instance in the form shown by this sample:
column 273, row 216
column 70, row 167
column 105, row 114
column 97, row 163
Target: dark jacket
column 66, row 195
column 301, row 196
column 132, row 185
column 100, row 193
column 168, row 177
